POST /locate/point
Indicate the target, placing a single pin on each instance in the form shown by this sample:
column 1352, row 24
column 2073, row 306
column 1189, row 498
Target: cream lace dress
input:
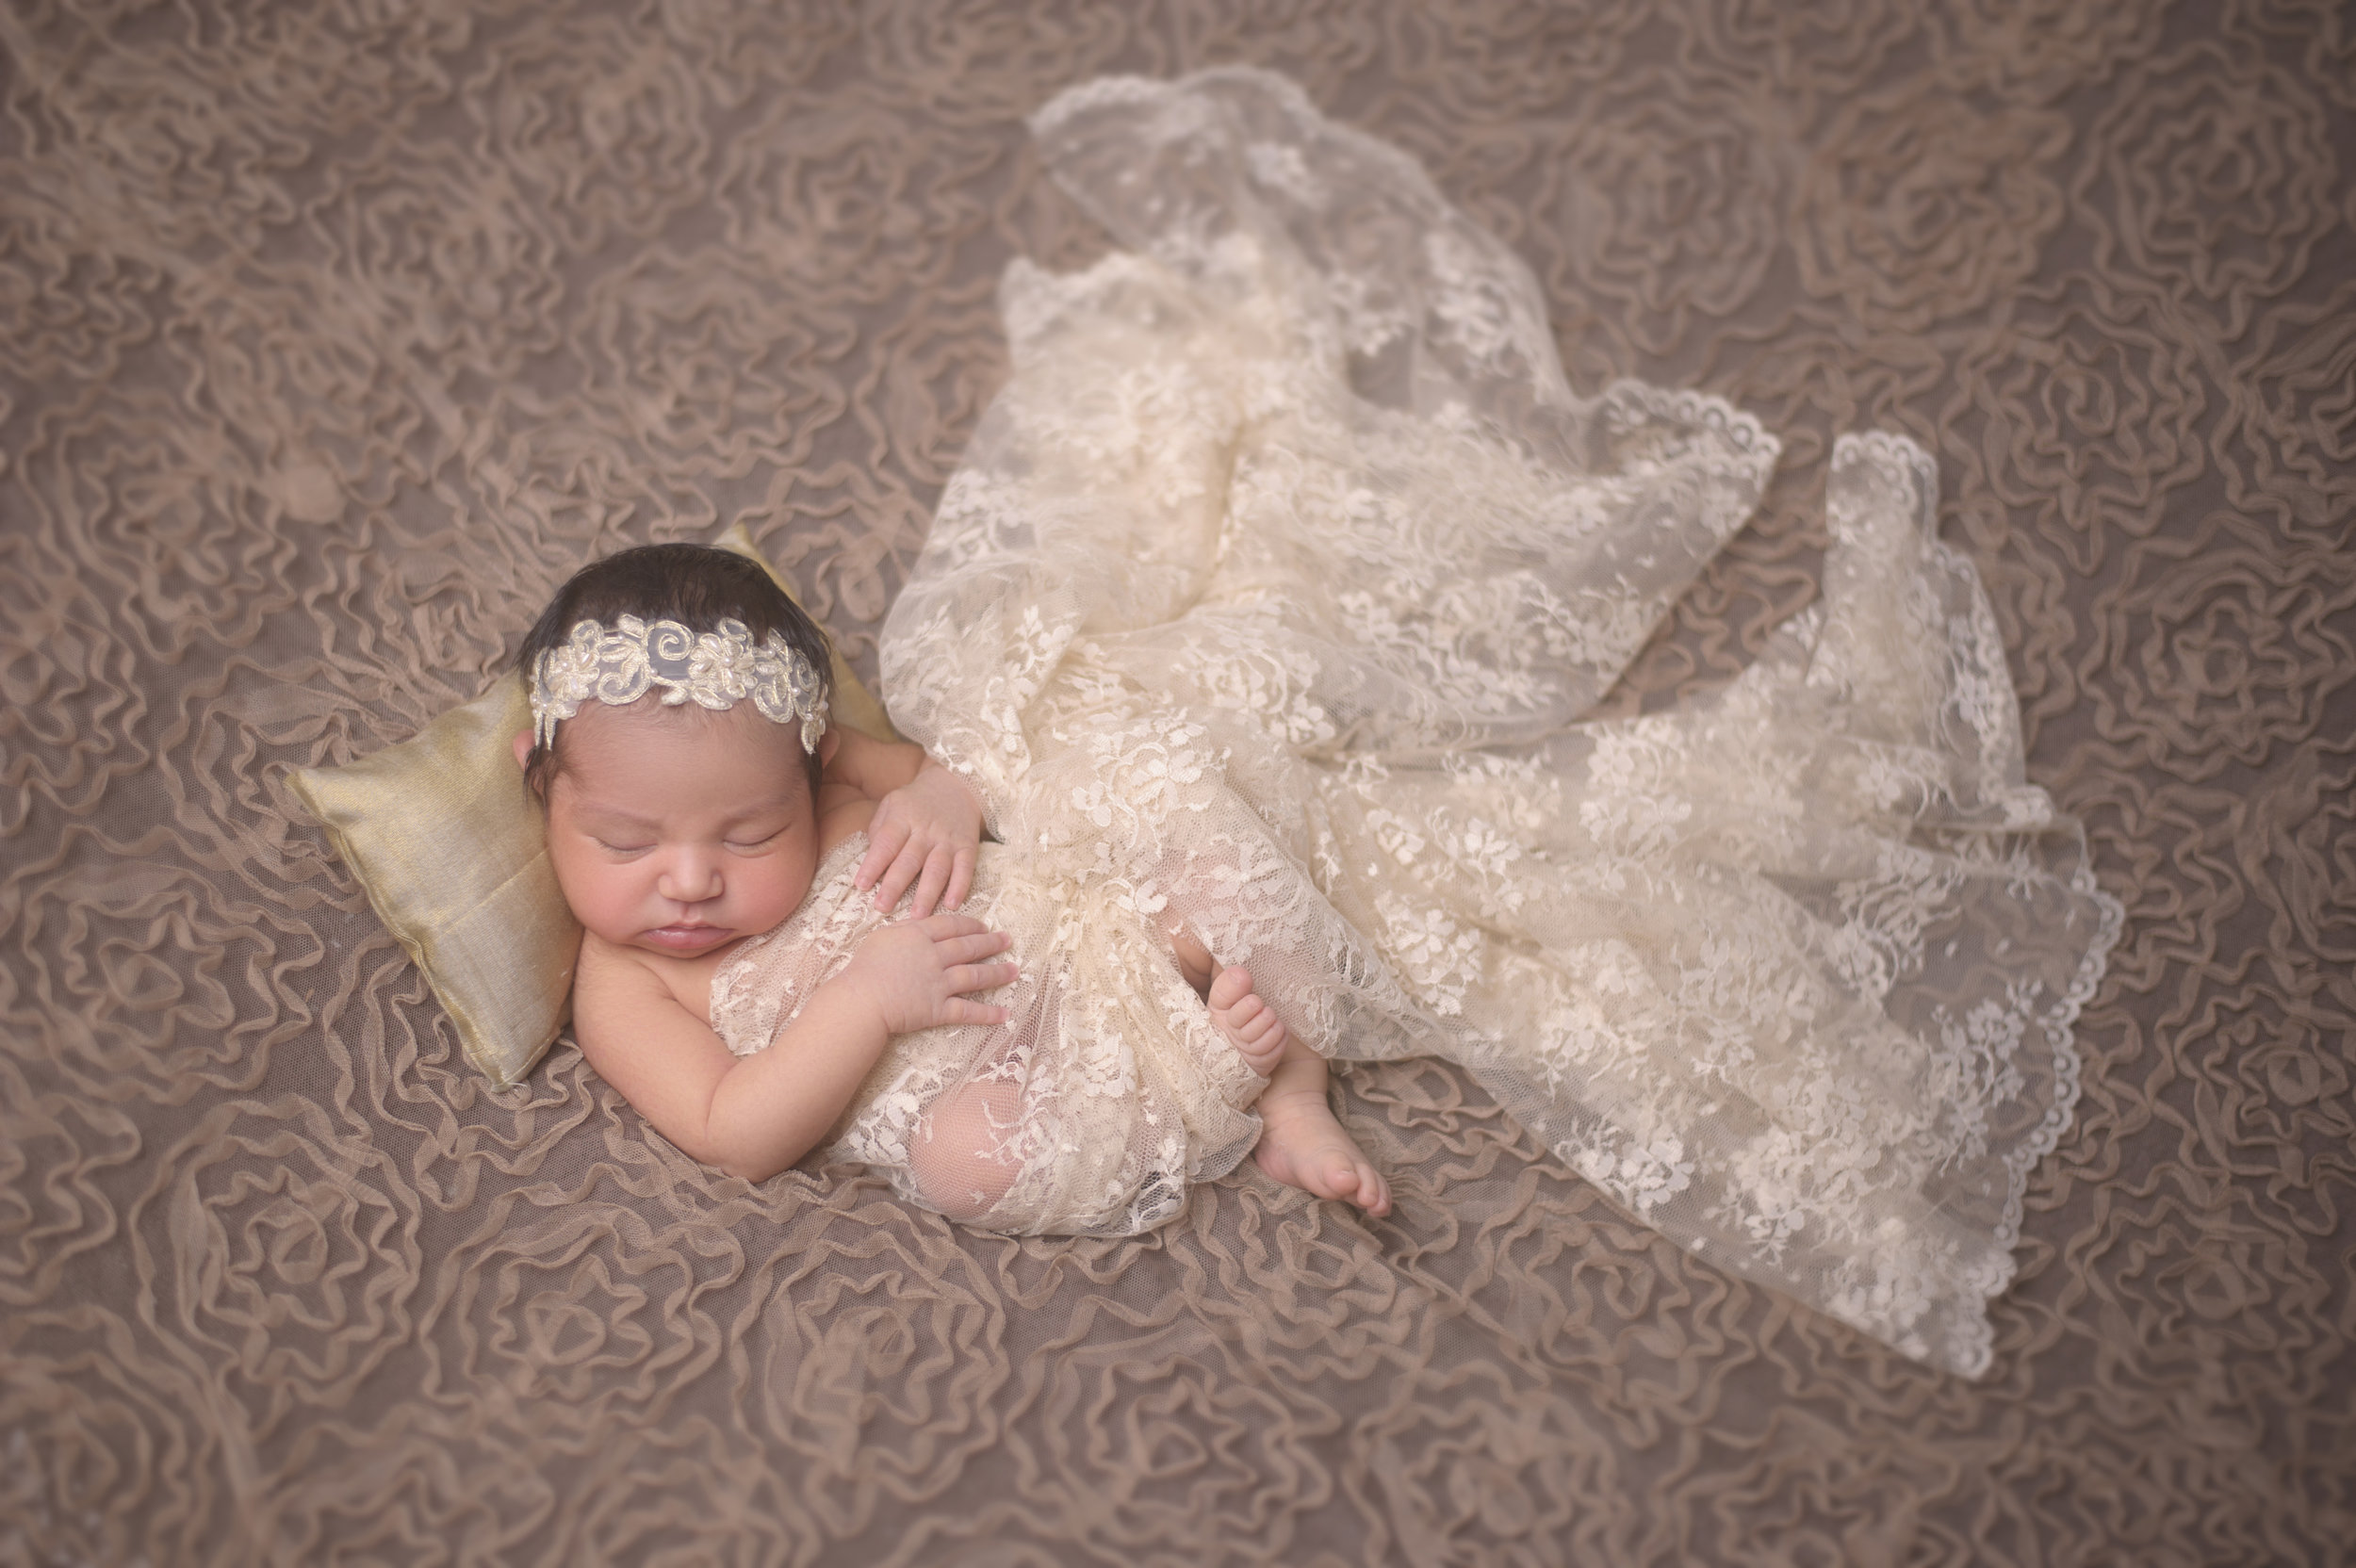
column 1270, row 597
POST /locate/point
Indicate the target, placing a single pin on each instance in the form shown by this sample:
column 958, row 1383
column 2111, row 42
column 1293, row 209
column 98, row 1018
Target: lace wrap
column 1271, row 597
column 1103, row 1096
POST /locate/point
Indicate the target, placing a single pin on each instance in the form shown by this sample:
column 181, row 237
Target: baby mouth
column 684, row 938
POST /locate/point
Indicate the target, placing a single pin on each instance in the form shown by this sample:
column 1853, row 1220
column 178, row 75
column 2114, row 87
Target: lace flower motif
column 715, row 669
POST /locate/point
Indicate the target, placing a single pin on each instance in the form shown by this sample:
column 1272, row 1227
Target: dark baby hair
column 697, row 585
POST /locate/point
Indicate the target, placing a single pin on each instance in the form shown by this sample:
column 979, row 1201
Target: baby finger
column 905, row 869
column 967, row 950
column 943, row 924
column 883, row 847
column 980, row 977
column 930, row 884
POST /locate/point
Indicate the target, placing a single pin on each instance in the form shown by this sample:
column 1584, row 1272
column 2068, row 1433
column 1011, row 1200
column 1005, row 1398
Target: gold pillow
column 454, row 860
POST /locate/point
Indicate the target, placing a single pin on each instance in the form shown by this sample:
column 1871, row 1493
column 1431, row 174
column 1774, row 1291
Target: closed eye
column 623, row 849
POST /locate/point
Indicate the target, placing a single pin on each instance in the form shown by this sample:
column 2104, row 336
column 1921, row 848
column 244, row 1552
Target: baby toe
column 1231, row 987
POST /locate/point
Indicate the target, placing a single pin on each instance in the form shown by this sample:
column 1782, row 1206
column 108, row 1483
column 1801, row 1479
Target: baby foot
column 1250, row 1024
column 1303, row 1145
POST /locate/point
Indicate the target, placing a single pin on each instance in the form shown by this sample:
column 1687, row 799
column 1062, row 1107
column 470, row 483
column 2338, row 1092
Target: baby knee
column 961, row 1156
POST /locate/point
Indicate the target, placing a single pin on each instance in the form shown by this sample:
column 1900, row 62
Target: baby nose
column 691, row 876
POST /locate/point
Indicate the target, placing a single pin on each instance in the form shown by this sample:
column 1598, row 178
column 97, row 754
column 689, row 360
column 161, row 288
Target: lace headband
column 712, row 669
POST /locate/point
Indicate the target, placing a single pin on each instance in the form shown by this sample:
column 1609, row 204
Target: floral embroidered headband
column 712, row 669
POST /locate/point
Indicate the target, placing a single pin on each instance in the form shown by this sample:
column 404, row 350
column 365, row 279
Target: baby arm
column 927, row 827
column 754, row 1115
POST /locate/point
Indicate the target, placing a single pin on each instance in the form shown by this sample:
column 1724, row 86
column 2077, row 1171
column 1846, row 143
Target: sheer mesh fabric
column 1227, row 641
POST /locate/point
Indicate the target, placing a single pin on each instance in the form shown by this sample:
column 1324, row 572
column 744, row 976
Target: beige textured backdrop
column 333, row 336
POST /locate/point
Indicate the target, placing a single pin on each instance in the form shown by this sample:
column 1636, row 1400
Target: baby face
column 678, row 831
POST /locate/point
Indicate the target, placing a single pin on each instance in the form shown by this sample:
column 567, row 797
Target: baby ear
column 523, row 746
column 828, row 743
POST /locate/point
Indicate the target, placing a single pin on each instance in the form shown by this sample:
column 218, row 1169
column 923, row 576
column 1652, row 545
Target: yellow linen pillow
column 454, row 859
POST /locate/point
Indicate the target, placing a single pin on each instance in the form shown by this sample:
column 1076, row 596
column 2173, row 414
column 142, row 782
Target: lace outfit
column 1270, row 597
column 1103, row 1095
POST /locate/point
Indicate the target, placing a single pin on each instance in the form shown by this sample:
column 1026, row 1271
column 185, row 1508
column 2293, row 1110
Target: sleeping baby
column 770, row 902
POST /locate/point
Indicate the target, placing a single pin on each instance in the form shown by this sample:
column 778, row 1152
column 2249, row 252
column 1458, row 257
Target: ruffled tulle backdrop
column 332, row 338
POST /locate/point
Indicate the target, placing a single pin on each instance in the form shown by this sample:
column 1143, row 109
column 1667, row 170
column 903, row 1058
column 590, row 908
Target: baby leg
column 1302, row 1144
column 1250, row 1024
column 959, row 1156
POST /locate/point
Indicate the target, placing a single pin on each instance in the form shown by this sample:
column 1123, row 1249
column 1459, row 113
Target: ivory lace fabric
column 1269, row 600
column 1091, row 1109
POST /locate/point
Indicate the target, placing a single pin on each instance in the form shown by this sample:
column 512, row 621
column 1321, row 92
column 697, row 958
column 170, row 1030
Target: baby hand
column 917, row 973
column 926, row 832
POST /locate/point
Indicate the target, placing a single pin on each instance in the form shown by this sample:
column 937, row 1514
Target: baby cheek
column 608, row 901
column 780, row 885
column 604, row 897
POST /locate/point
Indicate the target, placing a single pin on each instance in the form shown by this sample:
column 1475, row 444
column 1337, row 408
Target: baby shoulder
column 843, row 812
column 614, row 987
